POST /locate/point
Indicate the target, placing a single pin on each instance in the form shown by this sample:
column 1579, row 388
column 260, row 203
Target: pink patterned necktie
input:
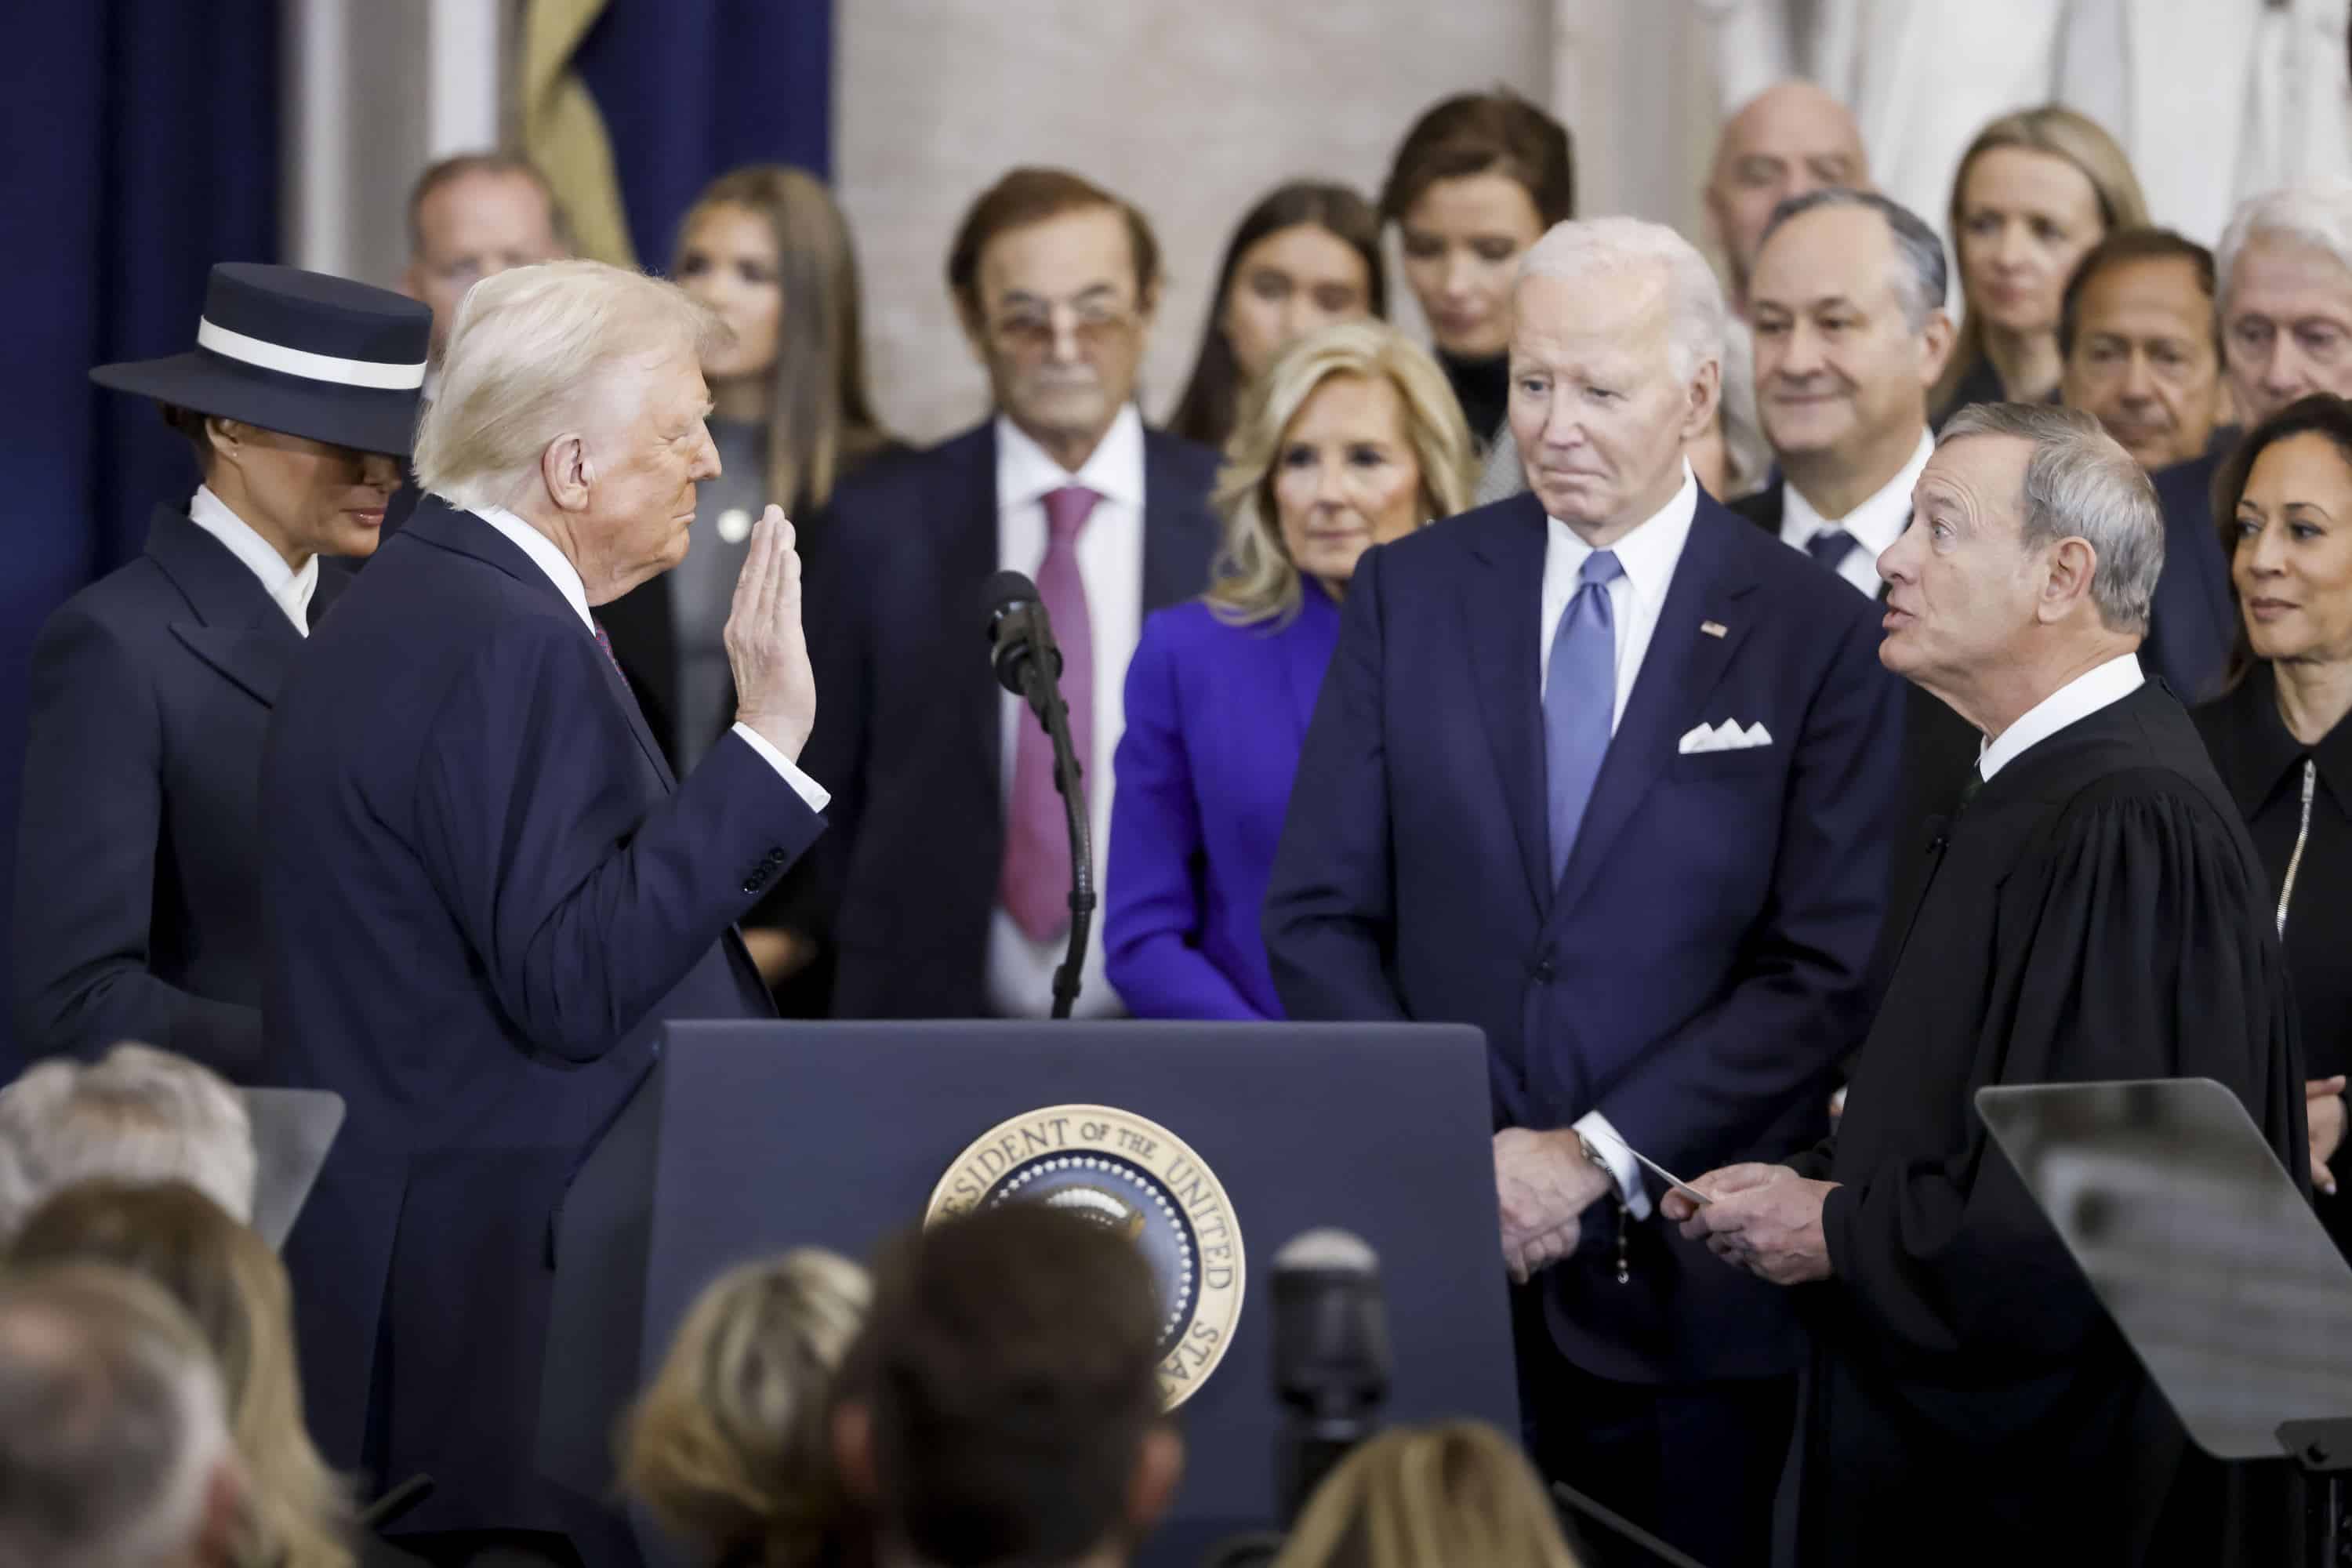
column 1035, row 885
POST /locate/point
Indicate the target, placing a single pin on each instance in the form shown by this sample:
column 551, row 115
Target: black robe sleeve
column 2130, row 942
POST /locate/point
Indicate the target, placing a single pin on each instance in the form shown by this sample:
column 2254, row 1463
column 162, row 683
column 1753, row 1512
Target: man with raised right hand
column 486, row 891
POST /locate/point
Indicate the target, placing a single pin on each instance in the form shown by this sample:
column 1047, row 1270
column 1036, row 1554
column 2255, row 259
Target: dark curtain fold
column 142, row 141
column 689, row 89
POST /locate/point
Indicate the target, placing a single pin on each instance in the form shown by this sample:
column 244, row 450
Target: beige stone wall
column 1190, row 108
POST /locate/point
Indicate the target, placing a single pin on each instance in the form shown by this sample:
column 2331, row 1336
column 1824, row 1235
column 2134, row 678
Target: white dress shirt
column 290, row 590
column 1649, row 555
column 1110, row 565
column 1876, row 524
column 2077, row 699
column 566, row 578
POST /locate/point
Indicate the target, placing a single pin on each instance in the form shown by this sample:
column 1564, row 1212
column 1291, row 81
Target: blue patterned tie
column 1580, row 700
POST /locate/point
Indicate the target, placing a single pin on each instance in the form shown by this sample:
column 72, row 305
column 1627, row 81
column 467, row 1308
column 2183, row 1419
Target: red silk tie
column 1035, row 886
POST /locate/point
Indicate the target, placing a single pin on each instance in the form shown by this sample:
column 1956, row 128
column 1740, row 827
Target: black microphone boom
column 1021, row 652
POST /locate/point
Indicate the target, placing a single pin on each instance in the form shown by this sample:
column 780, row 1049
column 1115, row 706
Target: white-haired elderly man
column 138, row 1114
column 485, row 891
column 2094, row 910
column 114, row 1438
column 1609, row 771
column 2283, row 297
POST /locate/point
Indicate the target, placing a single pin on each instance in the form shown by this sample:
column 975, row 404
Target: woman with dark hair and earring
column 2281, row 735
column 767, row 249
column 139, row 836
column 1306, row 255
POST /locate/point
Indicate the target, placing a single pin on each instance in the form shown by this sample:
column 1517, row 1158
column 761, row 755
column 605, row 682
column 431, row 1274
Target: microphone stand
column 1045, row 696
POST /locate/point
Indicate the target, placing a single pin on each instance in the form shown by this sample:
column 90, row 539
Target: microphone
column 1330, row 1357
column 1020, row 636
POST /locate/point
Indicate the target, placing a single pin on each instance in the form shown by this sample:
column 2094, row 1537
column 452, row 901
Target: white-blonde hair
column 2316, row 213
column 532, row 352
column 140, row 1115
column 1580, row 247
column 1254, row 580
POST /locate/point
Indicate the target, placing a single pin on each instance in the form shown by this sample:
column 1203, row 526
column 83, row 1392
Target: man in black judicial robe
column 2093, row 911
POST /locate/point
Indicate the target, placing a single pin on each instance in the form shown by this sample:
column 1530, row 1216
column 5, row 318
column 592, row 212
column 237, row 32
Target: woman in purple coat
column 1352, row 438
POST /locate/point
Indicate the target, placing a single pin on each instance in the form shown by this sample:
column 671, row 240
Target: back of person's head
column 114, row 1448
column 1484, row 133
column 1413, row 1497
column 234, row 1291
column 138, row 1115
column 1005, row 1407
column 730, row 1446
column 540, row 351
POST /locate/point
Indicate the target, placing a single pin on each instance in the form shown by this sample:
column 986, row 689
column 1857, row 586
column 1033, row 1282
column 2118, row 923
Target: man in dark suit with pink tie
column 1609, row 771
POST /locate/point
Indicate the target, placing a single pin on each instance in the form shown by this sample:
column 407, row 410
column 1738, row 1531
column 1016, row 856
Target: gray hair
column 1921, row 278
column 2080, row 484
column 533, row 355
column 2318, row 213
column 113, row 1422
column 140, row 1115
column 1577, row 249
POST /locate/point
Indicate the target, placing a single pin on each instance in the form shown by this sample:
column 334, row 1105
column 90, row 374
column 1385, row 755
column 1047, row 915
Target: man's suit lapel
column 238, row 628
column 964, row 493
column 1502, row 604
column 438, row 523
column 1179, row 533
column 1682, row 666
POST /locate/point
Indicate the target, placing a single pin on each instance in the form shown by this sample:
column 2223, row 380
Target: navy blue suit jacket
column 1215, row 715
column 906, row 722
column 485, row 894
column 138, row 916
column 2193, row 620
column 1700, row 969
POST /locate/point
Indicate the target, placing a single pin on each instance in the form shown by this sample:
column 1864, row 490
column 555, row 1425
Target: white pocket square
column 1727, row 736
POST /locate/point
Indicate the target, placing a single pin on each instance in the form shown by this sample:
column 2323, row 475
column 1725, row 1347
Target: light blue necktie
column 1579, row 698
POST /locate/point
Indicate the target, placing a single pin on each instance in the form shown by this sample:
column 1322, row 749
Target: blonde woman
column 2036, row 189
column 728, row 1448
column 234, row 1290
column 1453, row 1494
column 1350, row 439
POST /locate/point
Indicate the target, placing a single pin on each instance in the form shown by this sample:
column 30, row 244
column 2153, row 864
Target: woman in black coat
column 2281, row 733
column 137, row 916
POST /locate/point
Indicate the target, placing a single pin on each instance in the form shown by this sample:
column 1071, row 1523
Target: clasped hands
column 1766, row 1219
column 1544, row 1184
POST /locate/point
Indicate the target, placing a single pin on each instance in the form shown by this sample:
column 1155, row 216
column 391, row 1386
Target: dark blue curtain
column 142, row 141
column 689, row 89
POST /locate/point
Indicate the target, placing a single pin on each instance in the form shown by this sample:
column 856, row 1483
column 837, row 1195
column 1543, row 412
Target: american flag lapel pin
column 1712, row 628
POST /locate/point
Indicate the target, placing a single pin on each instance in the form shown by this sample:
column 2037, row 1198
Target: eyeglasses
column 1031, row 329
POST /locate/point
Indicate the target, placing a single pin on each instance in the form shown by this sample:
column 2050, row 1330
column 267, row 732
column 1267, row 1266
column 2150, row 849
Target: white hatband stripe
column 307, row 366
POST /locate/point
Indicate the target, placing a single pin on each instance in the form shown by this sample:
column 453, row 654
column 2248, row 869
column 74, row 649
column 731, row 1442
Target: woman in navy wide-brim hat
column 136, row 912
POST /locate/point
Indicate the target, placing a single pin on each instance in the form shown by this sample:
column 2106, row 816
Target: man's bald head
column 1789, row 139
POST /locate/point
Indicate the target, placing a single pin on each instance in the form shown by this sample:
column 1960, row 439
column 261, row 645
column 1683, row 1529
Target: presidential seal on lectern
column 1135, row 1177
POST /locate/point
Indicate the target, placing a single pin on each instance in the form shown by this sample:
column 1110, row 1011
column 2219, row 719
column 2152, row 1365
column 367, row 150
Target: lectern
column 1218, row 1144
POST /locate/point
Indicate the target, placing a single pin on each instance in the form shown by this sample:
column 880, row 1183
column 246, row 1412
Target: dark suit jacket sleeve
column 1152, row 915
column 586, row 914
column 1330, row 918
column 92, row 814
column 1802, row 1002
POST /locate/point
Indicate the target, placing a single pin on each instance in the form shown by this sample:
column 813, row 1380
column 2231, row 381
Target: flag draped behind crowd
column 632, row 106
column 144, row 138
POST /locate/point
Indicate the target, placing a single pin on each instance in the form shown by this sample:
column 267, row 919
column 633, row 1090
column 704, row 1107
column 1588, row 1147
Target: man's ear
column 853, row 1452
column 975, row 327
column 1158, row 1470
column 1705, row 392
column 568, row 472
column 1935, row 341
column 2072, row 563
column 222, row 1522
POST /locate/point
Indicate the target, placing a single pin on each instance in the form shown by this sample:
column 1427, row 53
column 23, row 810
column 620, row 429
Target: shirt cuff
column 1621, row 1164
column 807, row 788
